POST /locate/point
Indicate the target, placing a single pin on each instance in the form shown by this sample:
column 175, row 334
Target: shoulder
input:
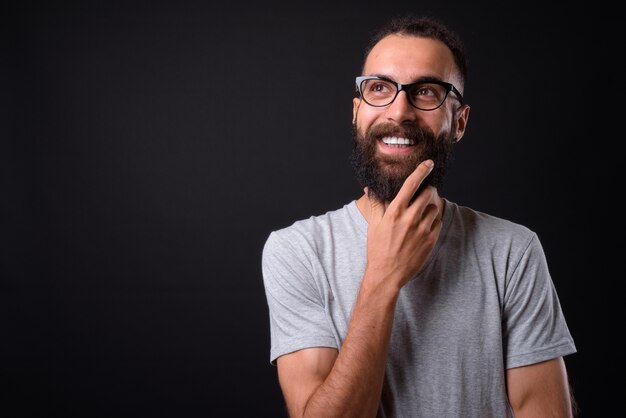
column 316, row 229
column 471, row 217
column 487, row 229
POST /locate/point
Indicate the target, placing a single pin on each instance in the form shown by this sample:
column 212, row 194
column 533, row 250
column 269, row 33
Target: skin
column 324, row 382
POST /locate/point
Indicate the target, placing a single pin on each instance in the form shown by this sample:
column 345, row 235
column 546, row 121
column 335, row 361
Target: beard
column 384, row 175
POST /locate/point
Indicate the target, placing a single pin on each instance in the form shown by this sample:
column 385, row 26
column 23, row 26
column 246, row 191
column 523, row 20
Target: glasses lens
column 427, row 96
column 378, row 92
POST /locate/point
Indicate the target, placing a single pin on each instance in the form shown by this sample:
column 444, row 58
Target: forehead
column 404, row 58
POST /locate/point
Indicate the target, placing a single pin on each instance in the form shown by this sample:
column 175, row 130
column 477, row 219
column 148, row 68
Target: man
column 403, row 303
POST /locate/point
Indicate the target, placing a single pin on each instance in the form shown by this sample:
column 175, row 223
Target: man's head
column 393, row 131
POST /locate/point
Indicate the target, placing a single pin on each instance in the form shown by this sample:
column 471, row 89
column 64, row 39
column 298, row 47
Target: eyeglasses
column 423, row 95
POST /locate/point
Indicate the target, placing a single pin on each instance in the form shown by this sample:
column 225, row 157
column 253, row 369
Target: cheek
column 438, row 122
column 366, row 117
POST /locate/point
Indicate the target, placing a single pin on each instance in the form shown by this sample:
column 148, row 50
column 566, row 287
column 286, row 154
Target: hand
column 401, row 236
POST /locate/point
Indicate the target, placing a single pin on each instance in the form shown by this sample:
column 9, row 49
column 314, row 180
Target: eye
column 428, row 92
column 425, row 90
column 379, row 87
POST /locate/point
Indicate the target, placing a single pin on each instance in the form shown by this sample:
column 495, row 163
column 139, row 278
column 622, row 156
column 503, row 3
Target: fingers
column 412, row 183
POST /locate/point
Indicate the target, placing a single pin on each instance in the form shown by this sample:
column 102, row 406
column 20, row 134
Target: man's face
column 382, row 165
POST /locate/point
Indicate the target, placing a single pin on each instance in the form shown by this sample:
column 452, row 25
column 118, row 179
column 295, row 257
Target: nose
column 400, row 110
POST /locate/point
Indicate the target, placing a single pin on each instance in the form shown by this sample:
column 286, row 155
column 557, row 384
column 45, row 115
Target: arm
column 540, row 390
column 323, row 382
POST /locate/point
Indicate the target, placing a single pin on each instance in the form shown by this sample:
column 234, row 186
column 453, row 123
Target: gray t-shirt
column 483, row 302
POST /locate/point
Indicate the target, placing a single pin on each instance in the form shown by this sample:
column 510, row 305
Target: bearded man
column 403, row 303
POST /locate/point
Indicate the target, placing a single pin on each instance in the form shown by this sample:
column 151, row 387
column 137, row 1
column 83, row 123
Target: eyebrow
column 423, row 79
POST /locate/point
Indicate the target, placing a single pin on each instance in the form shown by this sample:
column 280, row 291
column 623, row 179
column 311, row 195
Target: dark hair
column 423, row 27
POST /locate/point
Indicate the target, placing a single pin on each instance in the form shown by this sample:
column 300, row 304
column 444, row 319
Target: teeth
column 394, row 140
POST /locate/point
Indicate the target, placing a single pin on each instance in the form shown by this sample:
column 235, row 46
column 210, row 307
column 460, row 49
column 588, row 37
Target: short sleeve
column 534, row 325
column 297, row 310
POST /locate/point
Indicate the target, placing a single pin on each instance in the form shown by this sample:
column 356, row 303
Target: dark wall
column 148, row 149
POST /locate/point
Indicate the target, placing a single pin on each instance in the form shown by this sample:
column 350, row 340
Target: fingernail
column 429, row 163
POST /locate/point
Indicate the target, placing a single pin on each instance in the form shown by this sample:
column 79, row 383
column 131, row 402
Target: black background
column 149, row 148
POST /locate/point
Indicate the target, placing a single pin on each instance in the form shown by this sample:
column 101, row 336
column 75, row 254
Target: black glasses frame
column 399, row 87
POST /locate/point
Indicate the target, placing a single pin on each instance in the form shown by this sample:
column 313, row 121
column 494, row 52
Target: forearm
column 353, row 387
column 540, row 390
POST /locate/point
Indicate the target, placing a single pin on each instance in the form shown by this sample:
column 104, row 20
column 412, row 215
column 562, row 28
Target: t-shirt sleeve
column 297, row 310
column 534, row 325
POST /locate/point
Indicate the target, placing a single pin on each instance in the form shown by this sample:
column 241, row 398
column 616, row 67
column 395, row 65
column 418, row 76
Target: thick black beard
column 384, row 176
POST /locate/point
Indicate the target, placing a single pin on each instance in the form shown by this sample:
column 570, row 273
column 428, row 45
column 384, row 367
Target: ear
column 356, row 102
column 461, row 115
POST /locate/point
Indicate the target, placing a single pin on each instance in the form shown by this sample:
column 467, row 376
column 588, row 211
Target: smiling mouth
column 397, row 141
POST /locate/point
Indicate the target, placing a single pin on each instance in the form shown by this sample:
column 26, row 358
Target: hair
column 423, row 27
